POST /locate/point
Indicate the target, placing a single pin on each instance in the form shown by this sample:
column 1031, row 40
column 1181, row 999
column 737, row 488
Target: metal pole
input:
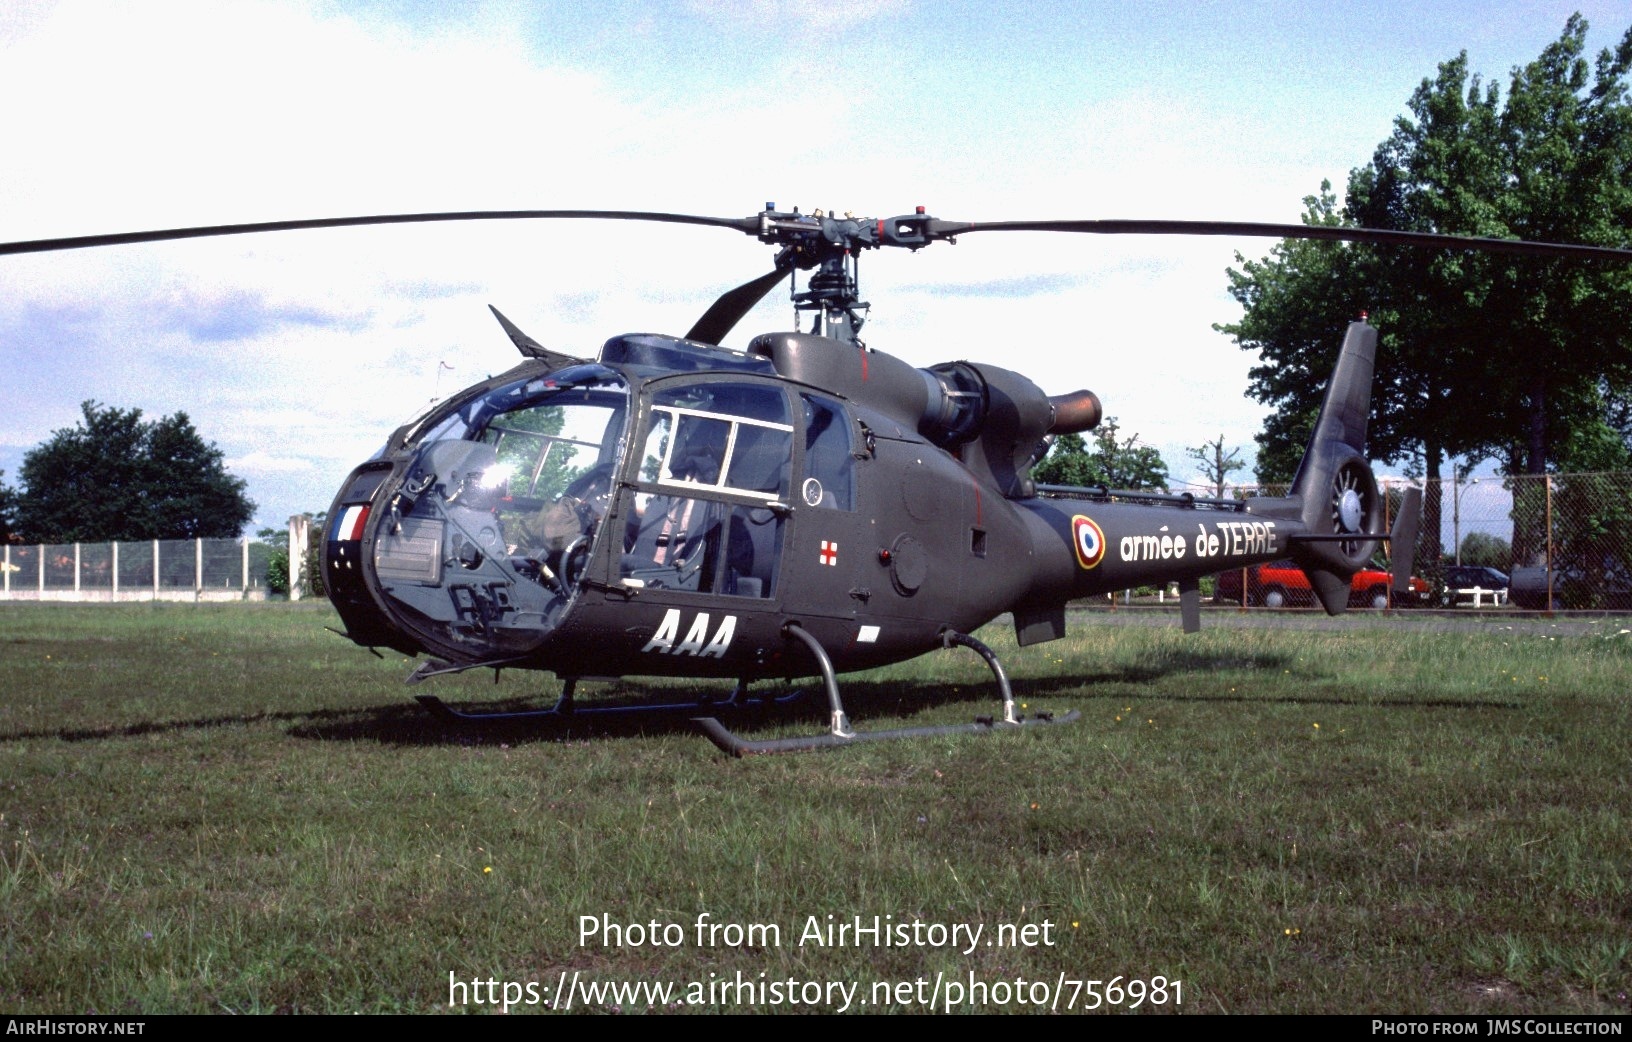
column 1456, row 511
column 1388, row 526
column 115, row 570
column 1549, row 542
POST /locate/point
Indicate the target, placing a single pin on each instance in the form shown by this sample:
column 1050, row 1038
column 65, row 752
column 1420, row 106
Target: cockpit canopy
column 501, row 506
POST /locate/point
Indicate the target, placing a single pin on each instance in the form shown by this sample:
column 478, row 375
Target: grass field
column 227, row 808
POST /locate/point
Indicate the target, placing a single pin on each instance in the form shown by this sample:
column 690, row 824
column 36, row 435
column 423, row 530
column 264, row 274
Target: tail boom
column 1092, row 541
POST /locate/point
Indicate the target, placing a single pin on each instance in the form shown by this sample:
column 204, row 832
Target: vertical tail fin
column 1334, row 481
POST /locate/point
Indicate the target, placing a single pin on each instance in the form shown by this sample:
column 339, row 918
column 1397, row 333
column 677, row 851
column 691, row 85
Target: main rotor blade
column 936, row 229
column 947, row 229
column 748, row 225
column 723, row 315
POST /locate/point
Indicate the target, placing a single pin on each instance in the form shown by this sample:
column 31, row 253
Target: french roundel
column 1088, row 540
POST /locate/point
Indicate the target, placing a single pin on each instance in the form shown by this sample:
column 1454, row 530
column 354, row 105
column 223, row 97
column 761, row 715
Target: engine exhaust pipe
column 1075, row 412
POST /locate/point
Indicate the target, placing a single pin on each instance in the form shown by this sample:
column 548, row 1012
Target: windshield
column 496, row 520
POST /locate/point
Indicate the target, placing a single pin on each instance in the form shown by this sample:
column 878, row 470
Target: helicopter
column 809, row 506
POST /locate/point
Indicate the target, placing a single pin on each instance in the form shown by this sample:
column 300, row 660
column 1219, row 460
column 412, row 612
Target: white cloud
column 261, row 462
column 797, row 16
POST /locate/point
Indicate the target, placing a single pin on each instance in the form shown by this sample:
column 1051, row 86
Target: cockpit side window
column 705, row 442
column 829, row 465
column 730, row 437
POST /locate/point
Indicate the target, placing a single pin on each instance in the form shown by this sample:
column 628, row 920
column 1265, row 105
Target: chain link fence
column 156, row 570
column 1563, row 540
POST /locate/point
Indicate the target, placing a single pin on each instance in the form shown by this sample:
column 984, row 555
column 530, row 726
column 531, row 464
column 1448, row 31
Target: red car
column 1280, row 583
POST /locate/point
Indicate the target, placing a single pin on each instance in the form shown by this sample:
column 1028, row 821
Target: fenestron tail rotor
column 1355, row 509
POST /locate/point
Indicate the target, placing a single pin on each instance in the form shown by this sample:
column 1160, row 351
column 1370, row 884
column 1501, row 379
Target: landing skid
column 728, row 741
column 840, row 733
column 567, row 708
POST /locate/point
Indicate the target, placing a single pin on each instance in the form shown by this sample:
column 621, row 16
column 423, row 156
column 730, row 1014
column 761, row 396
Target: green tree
column 530, row 441
column 272, row 546
column 314, row 555
column 1567, row 142
column 8, row 510
column 1067, row 463
column 1555, row 163
column 1486, row 549
column 115, row 477
column 1111, row 462
column 1480, row 353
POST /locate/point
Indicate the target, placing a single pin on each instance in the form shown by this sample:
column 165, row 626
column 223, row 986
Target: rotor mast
column 829, row 246
column 831, row 297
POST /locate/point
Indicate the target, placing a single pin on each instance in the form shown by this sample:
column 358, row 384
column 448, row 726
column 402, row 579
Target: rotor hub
column 1350, row 510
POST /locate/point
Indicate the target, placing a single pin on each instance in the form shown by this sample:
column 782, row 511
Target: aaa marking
column 697, row 643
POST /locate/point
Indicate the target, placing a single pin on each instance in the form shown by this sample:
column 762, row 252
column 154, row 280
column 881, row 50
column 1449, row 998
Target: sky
column 297, row 353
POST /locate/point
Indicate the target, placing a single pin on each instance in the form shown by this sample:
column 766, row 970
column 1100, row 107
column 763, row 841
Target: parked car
column 1282, row 583
column 1474, row 577
column 1608, row 587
